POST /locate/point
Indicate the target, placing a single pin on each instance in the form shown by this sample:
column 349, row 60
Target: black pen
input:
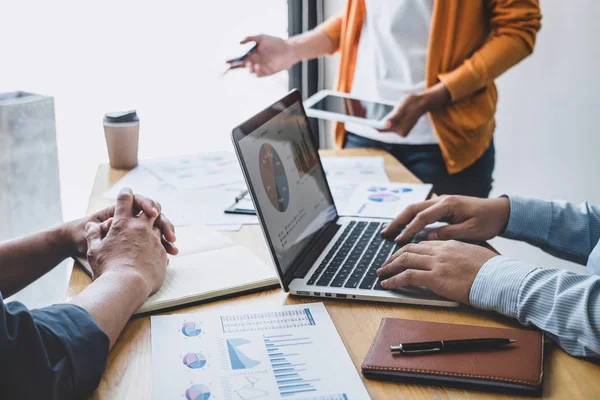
column 450, row 345
column 241, row 195
column 240, row 58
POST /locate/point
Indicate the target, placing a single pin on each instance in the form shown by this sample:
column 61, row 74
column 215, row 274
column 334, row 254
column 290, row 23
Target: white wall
column 164, row 59
column 548, row 139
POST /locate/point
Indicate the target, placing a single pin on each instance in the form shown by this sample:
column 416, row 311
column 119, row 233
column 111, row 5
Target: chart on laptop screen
column 274, row 179
column 304, row 159
column 289, row 188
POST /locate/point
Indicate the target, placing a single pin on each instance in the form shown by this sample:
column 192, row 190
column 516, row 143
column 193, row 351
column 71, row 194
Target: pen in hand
column 449, row 345
column 234, row 62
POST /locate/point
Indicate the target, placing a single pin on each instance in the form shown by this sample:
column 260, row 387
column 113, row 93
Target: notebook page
column 199, row 239
column 203, row 275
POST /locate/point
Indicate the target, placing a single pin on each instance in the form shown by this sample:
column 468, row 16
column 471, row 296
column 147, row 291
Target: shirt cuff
column 498, row 283
column 460, row 82
column 529, row 219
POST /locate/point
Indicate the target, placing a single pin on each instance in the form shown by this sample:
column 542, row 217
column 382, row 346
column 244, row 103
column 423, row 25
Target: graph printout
column 377, row 199
column 288, row 352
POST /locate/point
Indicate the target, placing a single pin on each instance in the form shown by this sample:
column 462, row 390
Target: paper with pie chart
column 377, row 200
column 246, row 354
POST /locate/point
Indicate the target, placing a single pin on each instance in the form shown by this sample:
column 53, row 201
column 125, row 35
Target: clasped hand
column 133, row 237
column 443, row 264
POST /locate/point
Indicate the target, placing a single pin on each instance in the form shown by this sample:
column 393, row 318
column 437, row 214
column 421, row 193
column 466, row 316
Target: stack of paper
column 196, row 189
column 193, row 189
column 208, row 266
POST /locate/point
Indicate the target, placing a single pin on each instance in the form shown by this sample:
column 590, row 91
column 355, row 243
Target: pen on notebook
column 450, row 345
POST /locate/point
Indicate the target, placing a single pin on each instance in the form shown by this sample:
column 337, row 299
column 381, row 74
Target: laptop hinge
column 314, row 253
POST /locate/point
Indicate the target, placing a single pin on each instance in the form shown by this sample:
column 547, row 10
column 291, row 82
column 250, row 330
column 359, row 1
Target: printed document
column 377, row 199
column 286, row 352
column 355, row 169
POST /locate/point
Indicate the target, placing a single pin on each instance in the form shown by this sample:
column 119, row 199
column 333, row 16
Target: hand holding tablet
column 344, row 107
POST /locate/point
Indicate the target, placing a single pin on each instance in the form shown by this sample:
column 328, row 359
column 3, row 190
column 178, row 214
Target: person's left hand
column 447, row 268
column 77, row 234
column 406, row 114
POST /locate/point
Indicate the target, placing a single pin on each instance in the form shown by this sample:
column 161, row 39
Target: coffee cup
column 122, row 132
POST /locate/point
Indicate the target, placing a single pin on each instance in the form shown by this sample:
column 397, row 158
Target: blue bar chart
column 289, row 367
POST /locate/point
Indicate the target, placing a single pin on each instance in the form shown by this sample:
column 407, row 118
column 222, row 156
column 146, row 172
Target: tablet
column 344, row 107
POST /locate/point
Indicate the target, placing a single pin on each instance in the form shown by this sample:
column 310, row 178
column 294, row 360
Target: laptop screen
column 287, row 181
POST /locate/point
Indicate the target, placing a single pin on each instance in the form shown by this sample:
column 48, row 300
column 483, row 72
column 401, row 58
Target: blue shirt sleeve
column 563, row 304
column 562, row 229
column 58, row 352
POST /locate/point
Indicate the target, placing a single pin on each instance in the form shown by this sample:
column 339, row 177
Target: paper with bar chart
column 288, row 352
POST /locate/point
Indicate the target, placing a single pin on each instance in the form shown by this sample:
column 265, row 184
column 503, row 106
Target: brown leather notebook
column 515, row 368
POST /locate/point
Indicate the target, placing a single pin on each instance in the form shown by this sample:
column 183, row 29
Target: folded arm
column 61, row 351
column 26, row 259
column 562, row 229
column 563, row 304
column 23, row 260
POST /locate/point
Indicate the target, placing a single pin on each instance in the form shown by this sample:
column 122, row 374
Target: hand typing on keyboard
column 469, row 218
column 353, row 260
column 448, row 268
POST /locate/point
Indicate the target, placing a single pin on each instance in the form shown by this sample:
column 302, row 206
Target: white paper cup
column 122, row 132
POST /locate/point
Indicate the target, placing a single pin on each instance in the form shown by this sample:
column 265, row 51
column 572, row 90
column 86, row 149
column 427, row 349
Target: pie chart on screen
column 198, row 392
column 273, row 176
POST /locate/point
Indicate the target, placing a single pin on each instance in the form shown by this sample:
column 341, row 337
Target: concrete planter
column 29, row 178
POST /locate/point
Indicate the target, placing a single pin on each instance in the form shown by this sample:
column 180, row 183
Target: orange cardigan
column 471, row 43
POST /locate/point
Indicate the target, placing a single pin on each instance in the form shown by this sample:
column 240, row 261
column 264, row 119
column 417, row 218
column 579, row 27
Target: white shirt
column 390, row 64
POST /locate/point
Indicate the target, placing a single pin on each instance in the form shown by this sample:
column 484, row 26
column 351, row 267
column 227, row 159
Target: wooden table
column 128, row 374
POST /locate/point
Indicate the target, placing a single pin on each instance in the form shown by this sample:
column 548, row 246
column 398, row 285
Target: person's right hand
column 77, row 234
column 129, row 243
column 469, row 218
column 272, row 55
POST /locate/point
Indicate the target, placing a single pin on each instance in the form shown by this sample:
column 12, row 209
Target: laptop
column 315, row 251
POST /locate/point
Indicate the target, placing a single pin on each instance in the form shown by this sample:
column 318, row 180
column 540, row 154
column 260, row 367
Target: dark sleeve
column 58, row 352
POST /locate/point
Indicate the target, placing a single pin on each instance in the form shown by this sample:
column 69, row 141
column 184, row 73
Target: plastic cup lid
column 121, row 117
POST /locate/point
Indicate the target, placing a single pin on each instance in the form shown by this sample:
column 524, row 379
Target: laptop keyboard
column 353, row 260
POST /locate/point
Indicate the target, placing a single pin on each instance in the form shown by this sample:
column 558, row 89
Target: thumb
column 248, row 39
column 388, row 125
column 448, row 232
column 105, row 226
column 94, row 235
